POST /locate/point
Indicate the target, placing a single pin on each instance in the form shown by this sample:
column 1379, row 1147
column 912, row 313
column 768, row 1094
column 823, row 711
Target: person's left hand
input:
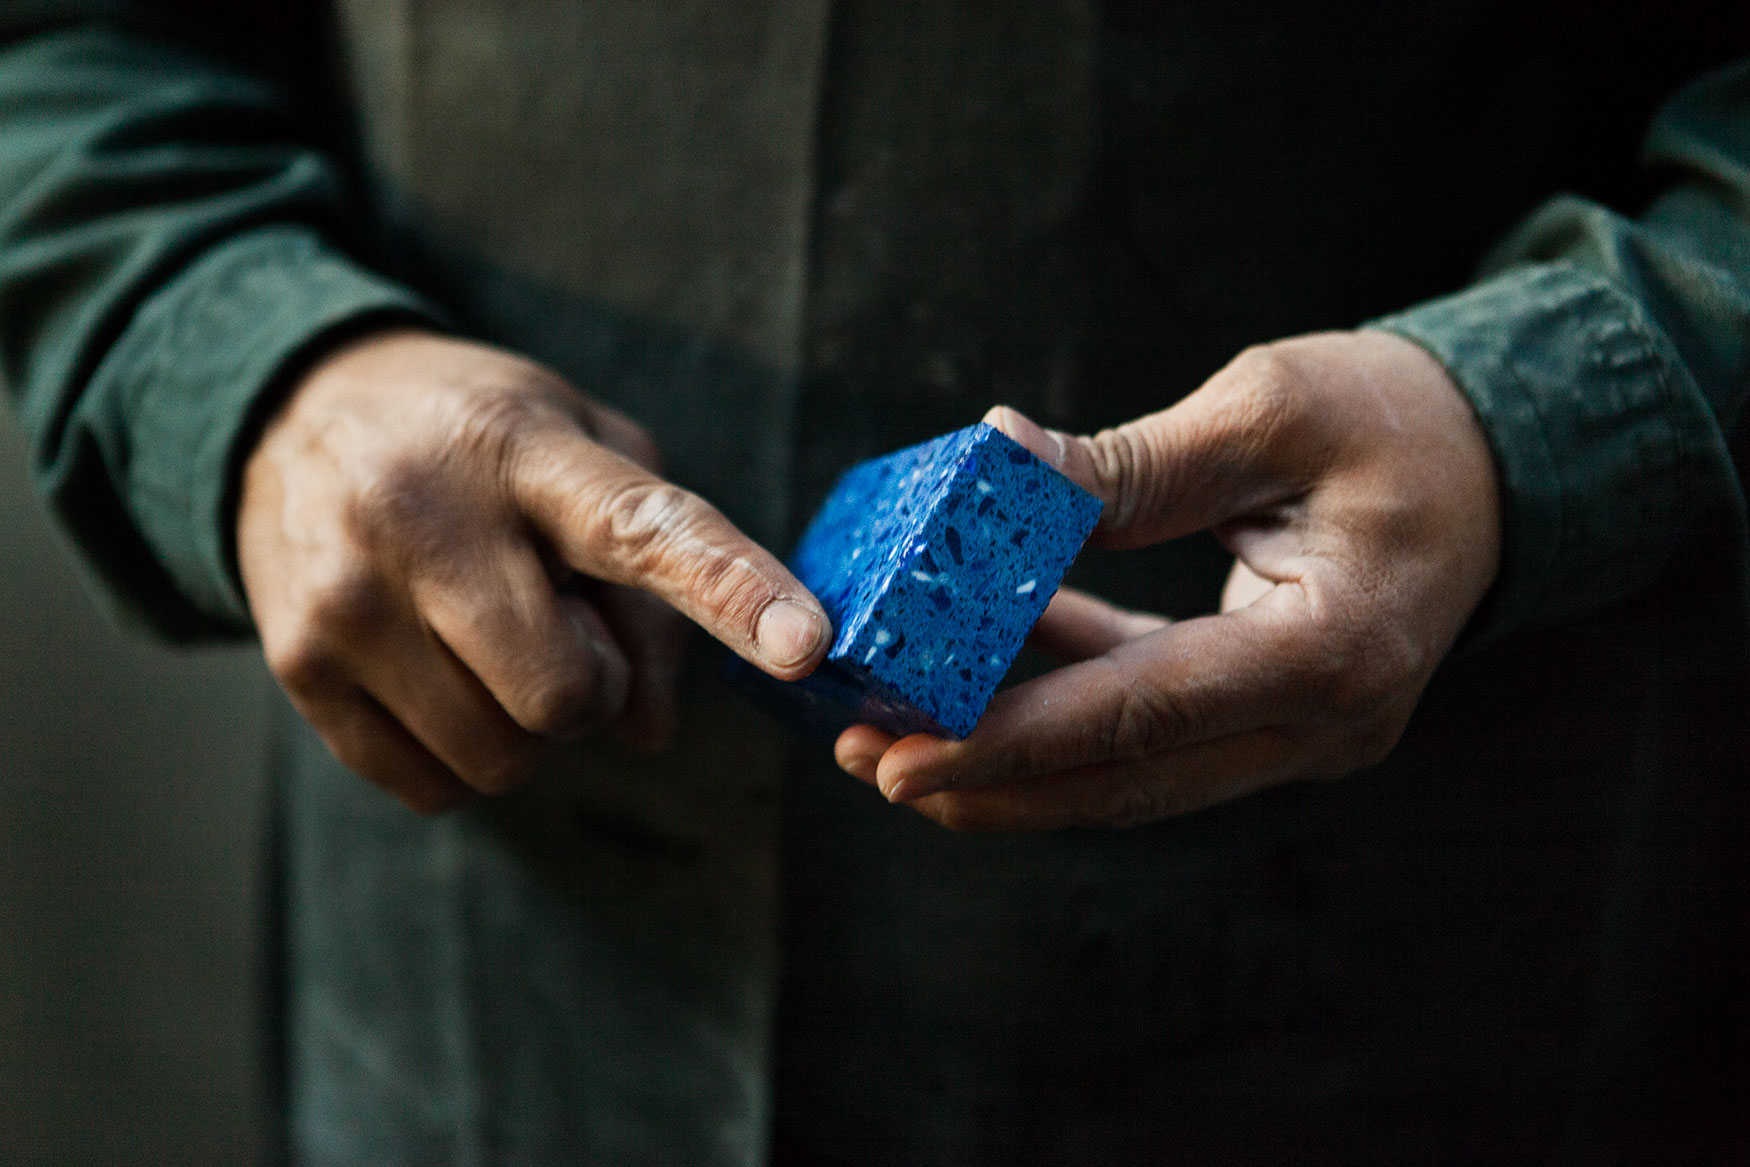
column 1352, row 481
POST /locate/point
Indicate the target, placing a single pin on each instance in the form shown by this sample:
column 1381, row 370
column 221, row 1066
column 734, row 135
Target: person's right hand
column 453, row 558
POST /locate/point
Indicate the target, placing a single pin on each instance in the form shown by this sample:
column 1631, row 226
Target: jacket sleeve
column 167, row 255
column 1608, row 358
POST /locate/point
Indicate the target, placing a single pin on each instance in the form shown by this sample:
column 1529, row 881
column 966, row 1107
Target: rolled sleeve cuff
column 1604, row 446
column 196, row 368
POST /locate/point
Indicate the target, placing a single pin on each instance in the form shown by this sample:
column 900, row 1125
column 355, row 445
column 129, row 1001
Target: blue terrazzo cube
column 934, row 564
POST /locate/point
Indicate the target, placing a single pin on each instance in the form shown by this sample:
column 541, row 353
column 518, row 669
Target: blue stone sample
column 934, row 564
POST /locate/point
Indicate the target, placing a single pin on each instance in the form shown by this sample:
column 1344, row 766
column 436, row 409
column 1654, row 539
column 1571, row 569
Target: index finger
column 612, row 519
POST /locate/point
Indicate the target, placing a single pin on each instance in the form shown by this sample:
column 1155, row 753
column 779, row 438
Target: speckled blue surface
column 934, row 564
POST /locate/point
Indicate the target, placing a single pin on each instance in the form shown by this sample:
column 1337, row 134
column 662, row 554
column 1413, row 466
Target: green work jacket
column 786, row 234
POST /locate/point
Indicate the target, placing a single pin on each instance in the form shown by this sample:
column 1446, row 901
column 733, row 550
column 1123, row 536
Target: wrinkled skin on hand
column 1349, row 477
column 455, row 559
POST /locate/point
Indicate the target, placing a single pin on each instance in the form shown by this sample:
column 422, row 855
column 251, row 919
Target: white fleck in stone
column 922, row 577
column 1026, row 587
column 983, row 486
column 883, row 637
column 856, row 551
column 869, row 656
column 996, row 660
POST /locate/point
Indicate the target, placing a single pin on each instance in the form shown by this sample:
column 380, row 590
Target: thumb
column 1161, row 476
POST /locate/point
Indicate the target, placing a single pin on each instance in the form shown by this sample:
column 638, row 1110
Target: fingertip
column 1002, row 417
column 1048, row 445
column 905, row 771
column 859, row 766
column 790, row 637
column 859, row 749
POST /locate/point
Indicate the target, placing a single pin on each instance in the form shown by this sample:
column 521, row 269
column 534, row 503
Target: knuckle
column 558, row 705
column 497, row 423
column 1037, row 755
column 1272, row 376
column 305, row 665
column 394, row 498
column 1125, row 468
column 335, row 611
column 1267, row 398
column 655, row 530
column 344, row 602
column 1370, row 675
column 502, row 770
column 412, row 496
column 1366, row 668
column 492, row 417
column 729, row 588
column 1263, row 364
column 351, row 751
column 949, row 779
column 644, row 520
column 358, row 744
column 1146, row 720
column 347, row 733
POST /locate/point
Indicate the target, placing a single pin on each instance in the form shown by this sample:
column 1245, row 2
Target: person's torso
column 789, row 234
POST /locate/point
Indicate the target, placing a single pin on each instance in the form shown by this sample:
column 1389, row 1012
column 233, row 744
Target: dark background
column 131, row 796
